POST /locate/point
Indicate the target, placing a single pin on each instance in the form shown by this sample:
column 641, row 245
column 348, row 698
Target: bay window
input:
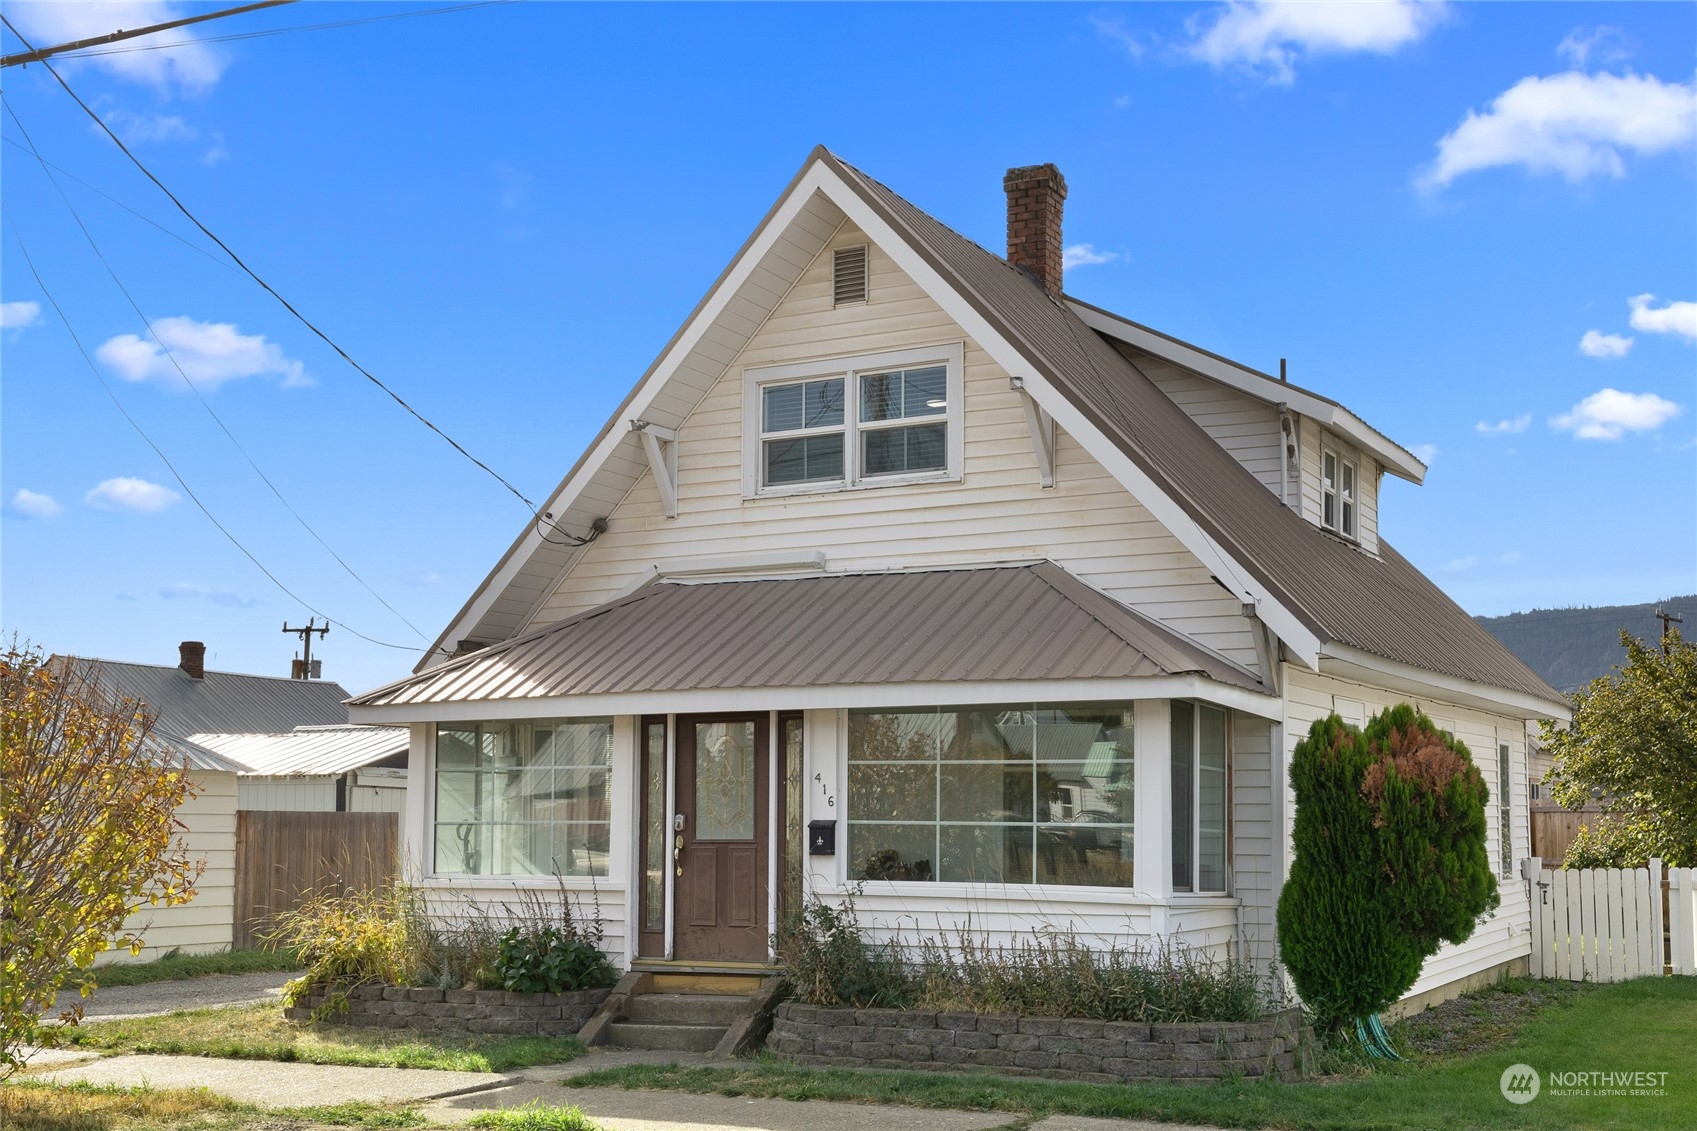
column 853, row 422
column 1024, row 793
column 523, row 798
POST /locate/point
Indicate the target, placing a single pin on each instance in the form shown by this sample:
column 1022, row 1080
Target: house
column 903, row 571
column 238, row 736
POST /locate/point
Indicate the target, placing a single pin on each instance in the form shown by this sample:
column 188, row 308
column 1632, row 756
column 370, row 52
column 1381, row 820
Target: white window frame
column 1505, row 808
column 951, row 355
column 1345, row 523
column 1195, row 850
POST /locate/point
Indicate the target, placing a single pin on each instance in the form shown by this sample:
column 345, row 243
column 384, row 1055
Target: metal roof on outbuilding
column 999, row 623
column 309, row 750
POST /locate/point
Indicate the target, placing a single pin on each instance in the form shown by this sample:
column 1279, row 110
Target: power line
column 92, row 52
column 163, row 458
column 34, row 55
column 204, row 403
column 181, row 207
column 224, row 263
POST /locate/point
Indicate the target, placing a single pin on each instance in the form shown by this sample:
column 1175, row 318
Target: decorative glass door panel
column 720, row 870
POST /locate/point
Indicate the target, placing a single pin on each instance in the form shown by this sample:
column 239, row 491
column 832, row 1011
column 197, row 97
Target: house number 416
column 825, row 791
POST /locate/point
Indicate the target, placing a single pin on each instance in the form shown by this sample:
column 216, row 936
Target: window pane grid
column 1026, row 794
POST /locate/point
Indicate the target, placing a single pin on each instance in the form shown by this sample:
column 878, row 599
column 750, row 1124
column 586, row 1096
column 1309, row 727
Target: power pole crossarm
column 1666, row 618
column 303, row 666
column 35, row 55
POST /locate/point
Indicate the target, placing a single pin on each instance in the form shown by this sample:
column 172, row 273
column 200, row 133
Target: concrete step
column 685, row 1009
column 672, row 1038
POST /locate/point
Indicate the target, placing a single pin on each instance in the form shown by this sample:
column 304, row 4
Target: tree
column 88, row 834
column 1633, row 745
column 1389, row 864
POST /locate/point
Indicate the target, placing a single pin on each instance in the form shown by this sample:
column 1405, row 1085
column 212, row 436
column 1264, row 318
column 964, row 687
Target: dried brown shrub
column 1420, row 757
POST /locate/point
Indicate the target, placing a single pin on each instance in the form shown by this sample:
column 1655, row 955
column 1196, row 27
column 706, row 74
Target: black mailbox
column 821, row 838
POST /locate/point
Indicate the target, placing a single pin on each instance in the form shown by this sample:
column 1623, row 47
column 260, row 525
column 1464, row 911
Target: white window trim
column 1336, row 454
column 1226, row 873
column 949, row 354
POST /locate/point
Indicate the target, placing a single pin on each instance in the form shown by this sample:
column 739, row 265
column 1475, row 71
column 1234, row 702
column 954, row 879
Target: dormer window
column 1337, row 493
column 864, row 421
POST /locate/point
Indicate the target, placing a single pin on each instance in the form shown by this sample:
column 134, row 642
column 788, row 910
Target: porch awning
column 1014, row 624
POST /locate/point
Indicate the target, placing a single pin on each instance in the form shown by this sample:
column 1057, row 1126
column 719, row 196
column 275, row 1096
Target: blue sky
column 1473, row 224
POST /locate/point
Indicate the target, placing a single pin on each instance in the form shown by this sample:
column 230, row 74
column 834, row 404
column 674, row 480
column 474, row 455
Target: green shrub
column 830, row 962
column 1389, row 863
column 546, row 961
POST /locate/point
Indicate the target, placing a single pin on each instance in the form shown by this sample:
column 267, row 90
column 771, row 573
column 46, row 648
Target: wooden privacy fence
column 1554, row 829
column 283, row 856
column 1611, row 924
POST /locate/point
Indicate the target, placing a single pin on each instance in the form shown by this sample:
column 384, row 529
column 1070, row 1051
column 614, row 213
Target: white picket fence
column 1610, row 924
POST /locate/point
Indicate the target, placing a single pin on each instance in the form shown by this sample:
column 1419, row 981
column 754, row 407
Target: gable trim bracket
column 661, row 445
column 1042, row 427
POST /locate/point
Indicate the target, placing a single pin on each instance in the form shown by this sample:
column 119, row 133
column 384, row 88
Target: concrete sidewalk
column 269, row 1083
column 448, row 1098
column 155, row 998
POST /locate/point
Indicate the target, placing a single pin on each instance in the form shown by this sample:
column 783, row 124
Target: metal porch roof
column 309, row 750
column 1031, row 622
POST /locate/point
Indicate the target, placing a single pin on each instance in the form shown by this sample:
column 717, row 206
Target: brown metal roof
column 1379, row 605
column 1033, row 622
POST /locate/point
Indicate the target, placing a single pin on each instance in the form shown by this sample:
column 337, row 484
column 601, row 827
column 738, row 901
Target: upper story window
column 853, row 422
column 1337, row 493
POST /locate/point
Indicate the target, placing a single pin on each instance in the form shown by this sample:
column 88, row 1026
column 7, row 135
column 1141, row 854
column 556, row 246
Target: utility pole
column 1665, row 617
column 302, row 668
column 36, row 54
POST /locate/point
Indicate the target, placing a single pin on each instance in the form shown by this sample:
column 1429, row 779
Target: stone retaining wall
column 455, row 1011
column 1104, row 1052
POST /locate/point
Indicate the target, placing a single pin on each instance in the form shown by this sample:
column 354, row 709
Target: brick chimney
column 192, row 658
column 1035, row 195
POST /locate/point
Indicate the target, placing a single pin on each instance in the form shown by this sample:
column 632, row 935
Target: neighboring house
column 320, row 769
column 903, row 572
column 198, row 715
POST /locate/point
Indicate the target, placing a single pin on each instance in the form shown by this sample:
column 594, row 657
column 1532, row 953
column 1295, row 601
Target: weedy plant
column 1054, row 973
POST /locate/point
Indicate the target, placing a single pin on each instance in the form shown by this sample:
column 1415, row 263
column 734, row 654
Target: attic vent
column 848, row 275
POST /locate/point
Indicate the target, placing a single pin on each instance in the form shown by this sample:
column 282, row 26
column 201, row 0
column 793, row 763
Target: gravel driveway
column 112, row 1002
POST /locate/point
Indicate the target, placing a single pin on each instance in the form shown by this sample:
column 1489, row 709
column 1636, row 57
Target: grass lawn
column 174, row 966
column 31, row 1105
column 1648, row 1025
column 261, row 1033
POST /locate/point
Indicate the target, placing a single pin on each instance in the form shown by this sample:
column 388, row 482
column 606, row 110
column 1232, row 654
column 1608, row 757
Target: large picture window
column 851, row 422
column 525, row 798
column 1027, row 793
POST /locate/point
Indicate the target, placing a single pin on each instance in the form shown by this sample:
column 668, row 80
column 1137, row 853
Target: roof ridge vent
column 848, row 275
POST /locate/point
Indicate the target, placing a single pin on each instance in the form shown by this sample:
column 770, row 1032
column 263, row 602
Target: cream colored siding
column 299, row 793
column 364, row 797
column 1254, row 845
column 203, row 925
column 1506, row 934
column 1244, row 426
column 1087, row 523
column 458, row 900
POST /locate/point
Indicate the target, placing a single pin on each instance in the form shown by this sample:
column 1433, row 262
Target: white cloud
column 1269, row 36
column 139, row 129
column 1509, row 427
column 1605, row 44
column 1595, row 343
column 130, row 494
column 1425, row 453
column 1085, row 255
column 17, row 315
column 33, row 504
column 515, row 187
column 1610, row 414
column 1674, row 318
column 191, row 591
column 1132, row 42
column 1572, row 123
column 190, row 69
column 210, row 354
column 1456, row 565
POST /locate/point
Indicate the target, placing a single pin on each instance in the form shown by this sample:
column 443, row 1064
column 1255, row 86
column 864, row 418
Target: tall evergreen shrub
column 1390, row 859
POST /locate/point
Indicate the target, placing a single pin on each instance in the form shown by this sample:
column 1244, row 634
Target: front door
column 722, row 763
